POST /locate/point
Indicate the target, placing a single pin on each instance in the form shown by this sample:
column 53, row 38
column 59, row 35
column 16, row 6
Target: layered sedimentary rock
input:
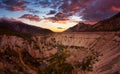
column 33, row 55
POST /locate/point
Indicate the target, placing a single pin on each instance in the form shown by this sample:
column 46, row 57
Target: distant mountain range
column 110, row 24
column 17, row 27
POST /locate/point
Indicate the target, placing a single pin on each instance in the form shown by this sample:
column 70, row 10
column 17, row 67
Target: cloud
column 48, row 3
column 89, row 10
column 59, row 17
column 31, row 17
column 13, row 5
column 54, row 20
column 32, row 10
column 60, row 28
column 51, row 12
column 100, row 9
column 70, row 7
column 115, row 8
column 66, row 8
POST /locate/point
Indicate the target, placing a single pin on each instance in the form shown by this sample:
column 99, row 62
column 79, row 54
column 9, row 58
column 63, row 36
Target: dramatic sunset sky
column 58, row 15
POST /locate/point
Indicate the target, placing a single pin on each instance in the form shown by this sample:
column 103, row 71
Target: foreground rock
column 63, row 53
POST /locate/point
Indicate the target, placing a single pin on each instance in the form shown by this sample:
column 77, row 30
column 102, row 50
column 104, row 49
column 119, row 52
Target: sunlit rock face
column 107, row 44
column 33, row 55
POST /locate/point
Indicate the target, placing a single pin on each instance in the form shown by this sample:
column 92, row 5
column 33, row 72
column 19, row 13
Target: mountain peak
column 79, row 27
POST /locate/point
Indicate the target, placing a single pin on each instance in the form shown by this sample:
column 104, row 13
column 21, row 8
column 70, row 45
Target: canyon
column 61, row 53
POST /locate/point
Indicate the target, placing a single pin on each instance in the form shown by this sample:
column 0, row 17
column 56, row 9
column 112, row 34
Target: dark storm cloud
column 31, row 17
column 13, row 5
column 101, row 9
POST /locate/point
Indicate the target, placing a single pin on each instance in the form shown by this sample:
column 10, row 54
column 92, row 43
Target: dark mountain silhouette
column 10, row 27
column 79, row 27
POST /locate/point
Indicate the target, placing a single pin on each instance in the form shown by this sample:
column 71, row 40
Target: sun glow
column 58, row 26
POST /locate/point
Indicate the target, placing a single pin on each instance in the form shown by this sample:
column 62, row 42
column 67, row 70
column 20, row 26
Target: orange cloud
column 14, row 5
column 17, row 8
column 31, row 17
column 116, row 8
column 55, row 20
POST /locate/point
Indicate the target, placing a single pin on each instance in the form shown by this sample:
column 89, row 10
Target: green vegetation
column 8, row 53
column 63, row 68
column 87, row 63
column 29, row 60
column 11, row 58
column 58, row 64
column 71, row 37
column 78, row 47
column 36, row 46
column 16, row 70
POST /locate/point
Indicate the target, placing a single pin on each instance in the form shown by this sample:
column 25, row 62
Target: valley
column 69, row 53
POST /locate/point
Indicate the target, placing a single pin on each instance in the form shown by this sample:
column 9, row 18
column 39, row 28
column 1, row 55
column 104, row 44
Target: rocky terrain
column 61, row 53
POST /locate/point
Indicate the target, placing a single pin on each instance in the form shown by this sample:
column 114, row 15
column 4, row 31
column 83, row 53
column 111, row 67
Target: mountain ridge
column 109, row 24
column 20, row 27
column 80, row 27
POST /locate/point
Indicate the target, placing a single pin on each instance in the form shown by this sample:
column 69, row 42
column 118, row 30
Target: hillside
column 12, row 27
column 80, row 27
column 110, row 24
column 91, row 53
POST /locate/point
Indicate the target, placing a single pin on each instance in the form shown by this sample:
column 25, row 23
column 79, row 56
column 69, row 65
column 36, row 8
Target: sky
column 58, row 15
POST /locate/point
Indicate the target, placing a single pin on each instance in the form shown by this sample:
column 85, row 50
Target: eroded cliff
column 63, row 53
